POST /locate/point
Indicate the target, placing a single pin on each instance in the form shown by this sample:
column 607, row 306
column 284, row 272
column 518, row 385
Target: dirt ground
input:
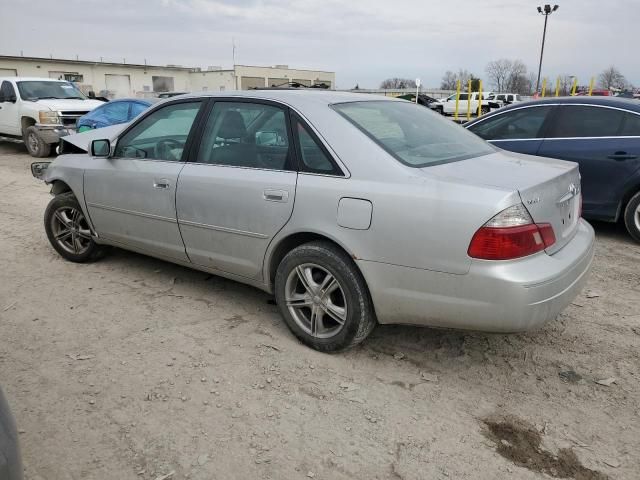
column 133, row 368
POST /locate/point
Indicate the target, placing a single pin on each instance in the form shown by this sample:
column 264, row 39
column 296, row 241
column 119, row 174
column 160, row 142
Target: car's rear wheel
column 323, row 297
column 632, row 217
column 68, row 230
column 36, row 146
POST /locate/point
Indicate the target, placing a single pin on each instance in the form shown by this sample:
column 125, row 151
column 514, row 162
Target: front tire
column 323, row 297
column 632, row 217
column 68, row 230
column 35, row 145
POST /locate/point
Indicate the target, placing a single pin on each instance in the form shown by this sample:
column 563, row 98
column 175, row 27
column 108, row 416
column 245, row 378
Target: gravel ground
column 133, row 368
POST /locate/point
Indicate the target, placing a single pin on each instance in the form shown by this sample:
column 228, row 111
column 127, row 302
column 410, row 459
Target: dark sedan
column 10, row 463
column 601, row 134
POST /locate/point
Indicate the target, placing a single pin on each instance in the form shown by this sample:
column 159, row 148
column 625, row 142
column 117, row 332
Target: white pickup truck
column 447, row 106
column 40, row 111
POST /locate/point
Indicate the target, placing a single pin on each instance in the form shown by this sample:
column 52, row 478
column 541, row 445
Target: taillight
column 511, row 234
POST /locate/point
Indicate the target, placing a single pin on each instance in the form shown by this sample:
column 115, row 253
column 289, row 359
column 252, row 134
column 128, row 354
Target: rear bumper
column 507, row 296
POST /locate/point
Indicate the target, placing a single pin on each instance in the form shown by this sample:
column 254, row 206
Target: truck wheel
column 323, row 298
column 632, row 217
column 68, row 230
column 35, row 145
column 440, row 110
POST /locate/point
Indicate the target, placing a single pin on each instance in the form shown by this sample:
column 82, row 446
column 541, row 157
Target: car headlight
column 49, row 117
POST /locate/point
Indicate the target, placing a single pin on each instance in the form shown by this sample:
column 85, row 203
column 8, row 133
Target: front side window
column 517, row 124
column 586, row 121
column 161, row 135
column 38, row 90
column 463, row 96
column 243, row 134
column 6, row 91
column 412, row 134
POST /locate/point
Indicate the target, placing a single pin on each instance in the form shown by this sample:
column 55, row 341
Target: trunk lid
column 549, row 188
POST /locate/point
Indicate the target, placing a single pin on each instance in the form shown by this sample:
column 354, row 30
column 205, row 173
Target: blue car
column 114, row 112
column 601, row 134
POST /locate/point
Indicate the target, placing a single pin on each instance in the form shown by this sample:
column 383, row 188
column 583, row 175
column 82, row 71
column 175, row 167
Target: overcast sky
column 364, row 42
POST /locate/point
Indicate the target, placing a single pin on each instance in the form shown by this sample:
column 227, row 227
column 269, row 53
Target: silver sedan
column 352, row 209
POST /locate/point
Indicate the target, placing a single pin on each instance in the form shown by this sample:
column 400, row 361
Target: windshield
column 37, row 90
column 413, row 134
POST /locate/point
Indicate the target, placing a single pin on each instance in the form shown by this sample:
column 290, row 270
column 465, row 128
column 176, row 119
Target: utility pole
column 546, row 11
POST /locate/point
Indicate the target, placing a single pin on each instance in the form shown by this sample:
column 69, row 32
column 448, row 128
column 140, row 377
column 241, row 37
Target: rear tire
column 632, row 217
column 35, row 145
column 323, row 297
column 68, row 230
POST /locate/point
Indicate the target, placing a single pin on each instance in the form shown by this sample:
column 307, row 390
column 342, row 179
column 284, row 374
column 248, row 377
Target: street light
column 546, row 11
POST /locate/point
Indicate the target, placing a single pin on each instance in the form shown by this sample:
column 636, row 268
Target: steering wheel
column 164, row 149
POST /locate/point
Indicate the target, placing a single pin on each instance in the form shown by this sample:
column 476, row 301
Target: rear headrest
column 232, row 125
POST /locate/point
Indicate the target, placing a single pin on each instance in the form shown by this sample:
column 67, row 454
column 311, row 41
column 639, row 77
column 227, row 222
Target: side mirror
column 38, row 169
column 100, row 148
column 266, row 138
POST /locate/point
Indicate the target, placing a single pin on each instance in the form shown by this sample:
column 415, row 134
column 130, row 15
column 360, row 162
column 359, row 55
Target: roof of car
column 625, row 103
column 296, row 97
column 146, row 101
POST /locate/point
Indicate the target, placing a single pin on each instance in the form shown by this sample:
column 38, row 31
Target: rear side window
column 586, row 121
column 313, row 157
column 414, row 135
column 631, row 125
column 523, row 123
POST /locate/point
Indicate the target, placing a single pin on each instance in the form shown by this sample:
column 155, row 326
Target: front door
column 239, row 190
column 131, row 195
column 605, row 142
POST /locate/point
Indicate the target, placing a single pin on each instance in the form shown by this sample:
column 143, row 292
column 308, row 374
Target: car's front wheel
column 36, row 146
column 323, row 297
column 68, row 230
column 632, row 217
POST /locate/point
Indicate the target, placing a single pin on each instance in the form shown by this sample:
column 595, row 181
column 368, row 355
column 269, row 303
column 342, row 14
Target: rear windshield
column 413, row 134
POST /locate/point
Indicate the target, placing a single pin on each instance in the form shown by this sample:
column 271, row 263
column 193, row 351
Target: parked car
column 505, row 98
column 353, row 209
column 447, row 106
column 113, row 113
column 10, row 460
column 601, row 134
column 40, row 111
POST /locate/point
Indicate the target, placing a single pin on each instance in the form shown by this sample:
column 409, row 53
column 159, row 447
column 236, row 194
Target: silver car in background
column 352, row 209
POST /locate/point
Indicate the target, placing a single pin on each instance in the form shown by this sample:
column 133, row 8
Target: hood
column 69, row 105
column 84, row 139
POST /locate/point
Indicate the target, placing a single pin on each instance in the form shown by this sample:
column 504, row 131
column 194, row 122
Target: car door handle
column 275, row 195
column 161, row 184
column 622, row 156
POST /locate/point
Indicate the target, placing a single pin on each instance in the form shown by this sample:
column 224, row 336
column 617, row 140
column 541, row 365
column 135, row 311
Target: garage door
column 251, row 82
column 8, row 72
column 118, row 86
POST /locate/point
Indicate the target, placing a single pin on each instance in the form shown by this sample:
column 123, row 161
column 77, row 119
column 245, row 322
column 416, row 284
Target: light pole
column 546, row 11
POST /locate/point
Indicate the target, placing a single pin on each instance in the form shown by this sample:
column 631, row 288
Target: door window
column 314, row 159
column 586, row 121
column 6, row 91
column 463, row 96
column 161, row 135
column 243, row 134
column 631, row 126
column 518, row 124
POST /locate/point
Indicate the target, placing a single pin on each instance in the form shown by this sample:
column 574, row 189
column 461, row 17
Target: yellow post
column 544, row 86
column 455, row 115
column 479, row 98
column 591, row 86
column 558, row 87
column 574, row 86
column 469, row 101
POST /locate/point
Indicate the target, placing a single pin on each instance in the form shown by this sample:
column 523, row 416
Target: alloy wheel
column 71, row 230
column 316, row 300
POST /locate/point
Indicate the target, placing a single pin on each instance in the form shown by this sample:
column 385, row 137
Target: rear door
column 238, row 191
column 602, row 141
column 518, row 130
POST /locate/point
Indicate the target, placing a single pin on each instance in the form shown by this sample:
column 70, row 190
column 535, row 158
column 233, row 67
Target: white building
column 129, row 80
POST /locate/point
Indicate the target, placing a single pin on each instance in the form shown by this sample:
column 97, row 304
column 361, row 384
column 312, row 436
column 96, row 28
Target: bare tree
column 397, row 83
column 450, row 80
column 612, row 78
column 498, row 72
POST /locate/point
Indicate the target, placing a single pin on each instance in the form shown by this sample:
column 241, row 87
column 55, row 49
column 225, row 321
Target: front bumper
column 52, row 133
column 495, row 296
